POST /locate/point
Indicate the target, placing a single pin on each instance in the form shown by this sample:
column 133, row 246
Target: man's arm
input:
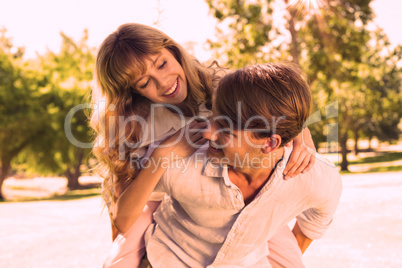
column 302, row 240
column 323, row 196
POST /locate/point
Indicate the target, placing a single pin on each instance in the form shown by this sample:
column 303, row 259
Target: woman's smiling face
column 164, row 80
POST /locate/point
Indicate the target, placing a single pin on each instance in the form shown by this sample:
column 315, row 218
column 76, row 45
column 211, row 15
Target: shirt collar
column 277, row 176
column 280, row 166
column 218, row 171
column 212, row 170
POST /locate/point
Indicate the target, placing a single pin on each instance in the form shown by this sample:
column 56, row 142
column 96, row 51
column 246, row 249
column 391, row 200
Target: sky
column 36, row 24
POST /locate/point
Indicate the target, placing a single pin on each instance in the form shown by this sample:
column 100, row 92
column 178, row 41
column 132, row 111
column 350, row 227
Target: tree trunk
column 294, row 49
column 9, row 155
column 294, row 46
column 72, row 177
column 356, row 142
column 369, row 144
column 344, row 151
column 5, row 168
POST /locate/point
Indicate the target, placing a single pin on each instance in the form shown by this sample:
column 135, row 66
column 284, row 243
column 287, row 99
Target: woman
column 138, row 66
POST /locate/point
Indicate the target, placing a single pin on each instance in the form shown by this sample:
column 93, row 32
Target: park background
column 51, row 213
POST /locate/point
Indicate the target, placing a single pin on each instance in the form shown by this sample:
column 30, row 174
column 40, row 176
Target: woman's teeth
column 171, row 90
column 214, row 146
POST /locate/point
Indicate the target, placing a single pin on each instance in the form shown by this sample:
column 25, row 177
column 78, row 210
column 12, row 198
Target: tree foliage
column 35, row 98
column 68, row 75
column 345, row 62
column 23, row 115
column 243, row 31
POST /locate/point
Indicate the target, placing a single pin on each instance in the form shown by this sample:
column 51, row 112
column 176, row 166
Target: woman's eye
column 163, row 64
column 227, row 133
column 145, row 85
column 224, row 132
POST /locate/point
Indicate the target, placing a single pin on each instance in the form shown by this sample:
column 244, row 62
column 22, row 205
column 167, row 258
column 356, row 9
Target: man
column 227, row 200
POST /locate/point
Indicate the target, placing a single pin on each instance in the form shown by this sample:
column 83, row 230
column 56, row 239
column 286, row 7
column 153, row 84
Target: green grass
column 385, row 169
column 386, row 157
column 25, row 188
column 375, row 169
column 382, row 157
column 69, row 195
column 75, row 194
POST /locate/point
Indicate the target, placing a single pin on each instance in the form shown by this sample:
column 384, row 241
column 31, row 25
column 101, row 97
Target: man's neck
column 251, row 179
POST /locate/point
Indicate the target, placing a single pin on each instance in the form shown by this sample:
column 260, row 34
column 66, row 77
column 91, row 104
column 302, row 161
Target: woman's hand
column 302, row 157
column 183, row 143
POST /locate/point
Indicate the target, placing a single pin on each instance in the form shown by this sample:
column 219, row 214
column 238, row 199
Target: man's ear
column 272, row 143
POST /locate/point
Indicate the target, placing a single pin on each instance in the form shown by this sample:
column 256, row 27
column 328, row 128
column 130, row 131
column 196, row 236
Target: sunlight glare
column 312, row 6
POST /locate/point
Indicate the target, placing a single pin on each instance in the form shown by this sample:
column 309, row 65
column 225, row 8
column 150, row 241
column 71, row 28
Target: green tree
column 355, row 67
column 331, row 44
column 244, row 31
column 383, row 75
column 22, row 107
column 334, row 50
column 69, row 74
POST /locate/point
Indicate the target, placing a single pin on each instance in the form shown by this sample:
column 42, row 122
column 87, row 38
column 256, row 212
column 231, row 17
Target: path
column 45, row 234
column 366, row 232
column 367, row 229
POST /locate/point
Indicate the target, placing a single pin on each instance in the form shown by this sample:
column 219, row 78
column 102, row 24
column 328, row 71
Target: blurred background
column 351, row 51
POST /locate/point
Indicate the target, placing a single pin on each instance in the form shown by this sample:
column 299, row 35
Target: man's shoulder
column 324, row 166
column 193, row 164
column 321, row 183
column 325, row 175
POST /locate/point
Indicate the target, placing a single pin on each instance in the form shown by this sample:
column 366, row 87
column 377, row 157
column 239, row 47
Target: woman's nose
column 162, row 81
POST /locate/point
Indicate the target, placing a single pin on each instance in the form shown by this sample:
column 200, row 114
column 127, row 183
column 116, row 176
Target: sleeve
column 161, row 186
column 165, row 183
column 314, row 221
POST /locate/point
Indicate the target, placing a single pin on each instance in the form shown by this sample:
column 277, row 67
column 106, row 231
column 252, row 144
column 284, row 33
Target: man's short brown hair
column 276, row 93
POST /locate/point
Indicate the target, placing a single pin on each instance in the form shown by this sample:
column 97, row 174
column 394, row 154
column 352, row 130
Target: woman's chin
column 178, row 99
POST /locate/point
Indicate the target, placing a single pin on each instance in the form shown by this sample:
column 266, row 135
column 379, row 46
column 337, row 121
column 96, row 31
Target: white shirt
column 163, row 123
column 203, row 221
column 160, row 124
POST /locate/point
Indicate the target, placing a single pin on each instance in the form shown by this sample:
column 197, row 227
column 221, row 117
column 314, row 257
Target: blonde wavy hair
column 121, row 56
